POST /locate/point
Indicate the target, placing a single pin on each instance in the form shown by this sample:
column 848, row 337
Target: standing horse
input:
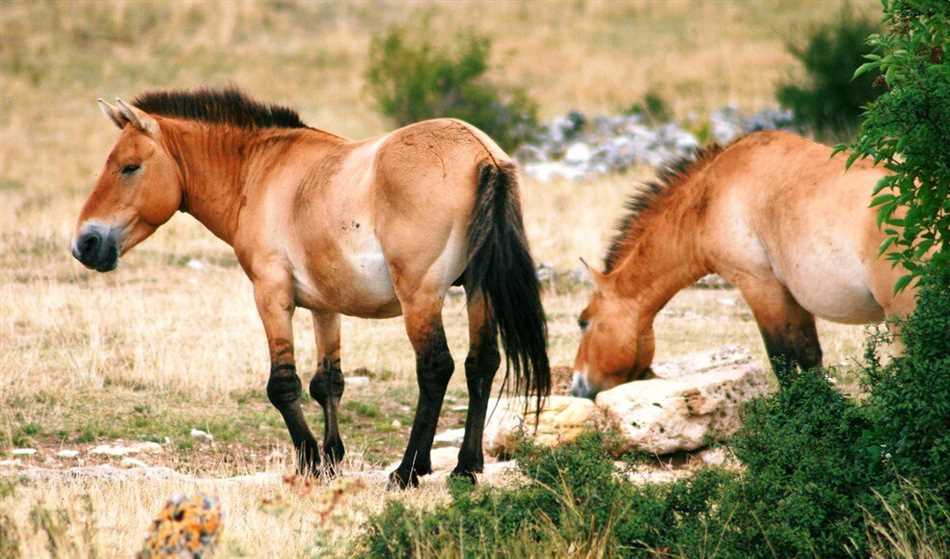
column 772, row 213
column 369, row 228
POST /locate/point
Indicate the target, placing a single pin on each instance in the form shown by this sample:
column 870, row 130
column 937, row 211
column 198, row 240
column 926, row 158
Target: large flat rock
column 562, row 419
column 666, row 415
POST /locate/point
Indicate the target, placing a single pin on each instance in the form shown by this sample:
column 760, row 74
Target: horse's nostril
column 89, row 245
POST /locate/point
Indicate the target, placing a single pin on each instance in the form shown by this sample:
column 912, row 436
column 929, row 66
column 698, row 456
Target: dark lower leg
column 434, row 368
column 480, row 368
column 326, row 387
column 793, row 345
column 283, row 390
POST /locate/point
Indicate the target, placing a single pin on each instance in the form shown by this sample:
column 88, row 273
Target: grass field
column 160, row 347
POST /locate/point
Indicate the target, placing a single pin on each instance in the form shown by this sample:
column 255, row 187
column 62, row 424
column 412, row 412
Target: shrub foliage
column 907, row 129
column 413, row 78
column 829, row 101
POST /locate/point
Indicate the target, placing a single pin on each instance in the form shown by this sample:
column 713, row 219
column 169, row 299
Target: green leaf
column 902, row 283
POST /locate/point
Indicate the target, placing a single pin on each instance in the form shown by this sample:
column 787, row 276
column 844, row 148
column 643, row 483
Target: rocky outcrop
column 578, row 146
column 661, row 416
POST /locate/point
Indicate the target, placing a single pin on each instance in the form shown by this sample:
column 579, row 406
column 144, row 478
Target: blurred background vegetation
column 56, row 57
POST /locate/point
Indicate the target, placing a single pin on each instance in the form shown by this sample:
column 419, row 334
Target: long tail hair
column 502, row 268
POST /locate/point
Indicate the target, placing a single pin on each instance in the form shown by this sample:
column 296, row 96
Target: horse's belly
column 356, row 282
column 837, row 292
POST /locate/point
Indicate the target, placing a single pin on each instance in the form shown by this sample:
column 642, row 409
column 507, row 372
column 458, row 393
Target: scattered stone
column 443, row 459
column 23, row 452
column 562, row 420
column 666, row 415
column 712, row 281
column 714, row 456
column 576, row 147
column 121, row 450
column 356, row 381
column 132, row 463
column 202, row 435
column 196, row 265
column 67, row 453
column 451, row 436
column 396, row 424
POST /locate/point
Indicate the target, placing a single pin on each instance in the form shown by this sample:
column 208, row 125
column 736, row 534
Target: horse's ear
column 113, row 113
column 138, row 118
column 600, row 279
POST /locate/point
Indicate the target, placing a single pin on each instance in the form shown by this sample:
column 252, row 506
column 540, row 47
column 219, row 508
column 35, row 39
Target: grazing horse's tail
column 501, row 267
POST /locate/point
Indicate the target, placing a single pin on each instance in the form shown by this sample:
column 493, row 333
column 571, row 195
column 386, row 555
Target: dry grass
column 158, row 347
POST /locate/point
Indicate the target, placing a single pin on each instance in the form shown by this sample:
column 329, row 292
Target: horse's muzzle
column 97, row 247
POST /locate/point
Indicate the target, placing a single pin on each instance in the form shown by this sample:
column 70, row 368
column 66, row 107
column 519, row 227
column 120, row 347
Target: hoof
column 460, row 474
column 401, row 480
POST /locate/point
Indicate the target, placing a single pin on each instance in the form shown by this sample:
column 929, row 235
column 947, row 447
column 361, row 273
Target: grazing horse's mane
column 669, row 176
column 229, row 106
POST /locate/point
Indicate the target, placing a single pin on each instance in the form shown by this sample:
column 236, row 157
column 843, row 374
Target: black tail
column 501, row 267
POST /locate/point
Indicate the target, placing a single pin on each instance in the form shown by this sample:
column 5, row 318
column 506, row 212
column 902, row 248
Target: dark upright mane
column 669, row 176
column 218, row 106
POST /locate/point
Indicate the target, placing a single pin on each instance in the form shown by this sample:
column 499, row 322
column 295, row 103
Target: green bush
column 828, row 101
column 413, row 78
column 909, row 405
column 907, row 129
column 653, row 108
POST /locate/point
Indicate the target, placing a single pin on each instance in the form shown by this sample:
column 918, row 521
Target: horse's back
column 809, row 224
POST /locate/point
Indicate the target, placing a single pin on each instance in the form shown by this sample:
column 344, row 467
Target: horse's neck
column 215, row 165
column 666, row 255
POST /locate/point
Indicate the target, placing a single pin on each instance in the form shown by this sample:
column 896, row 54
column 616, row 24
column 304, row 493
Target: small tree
column 829, row 101
column 412, row 78
column 907, row 129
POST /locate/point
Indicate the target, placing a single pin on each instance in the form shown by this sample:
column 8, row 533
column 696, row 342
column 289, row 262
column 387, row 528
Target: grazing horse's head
column 614, row 348
column 138, row 190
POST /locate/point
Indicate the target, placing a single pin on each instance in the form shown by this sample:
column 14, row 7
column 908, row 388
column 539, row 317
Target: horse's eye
column 582, row 323
column 129, row 169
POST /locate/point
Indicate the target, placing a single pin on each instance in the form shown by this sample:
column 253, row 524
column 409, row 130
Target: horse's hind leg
column 788, row 330
column 326, row 386
column 480, row 368
column 422, row 310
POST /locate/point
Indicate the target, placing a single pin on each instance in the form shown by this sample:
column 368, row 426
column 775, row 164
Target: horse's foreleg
column 788, row 330
column 434, row 367
column 480, row 368
column 275, row 306
column 326, row 386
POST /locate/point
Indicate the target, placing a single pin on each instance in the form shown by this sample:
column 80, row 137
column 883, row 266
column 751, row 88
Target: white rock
column 196, row 264
column 451, row 436
column 578, row 153
column 356, row 381
column 443, row 459
column 661, row 416
column 396, row 424
column 23, row 452
column 67, row 453
column 202, row 435
column 133, row 463
column 714, row 456
column 562, row 419
column 121, row 450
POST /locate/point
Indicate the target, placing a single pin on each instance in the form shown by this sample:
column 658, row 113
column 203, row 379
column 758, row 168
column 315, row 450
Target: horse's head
column 138, row 189
column 615, row 346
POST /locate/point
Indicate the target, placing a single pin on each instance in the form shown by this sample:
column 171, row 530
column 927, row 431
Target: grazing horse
column 372, row 228
column 772, row 213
